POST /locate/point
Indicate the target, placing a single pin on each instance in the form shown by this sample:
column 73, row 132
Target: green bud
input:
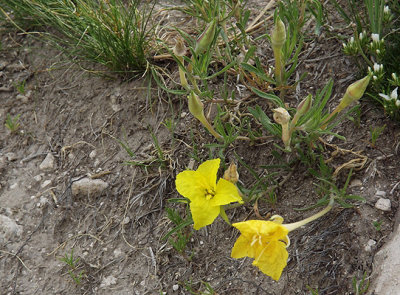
column 303, row 107
column 278, row 36
column 206, row 38
column 354, row 92
column 196, row 107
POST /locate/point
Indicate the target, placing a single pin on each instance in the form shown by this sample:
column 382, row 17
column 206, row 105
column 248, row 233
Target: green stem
column 295, row 225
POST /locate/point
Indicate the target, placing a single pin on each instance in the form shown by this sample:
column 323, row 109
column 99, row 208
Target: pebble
column 48, row 163
column 88, row 187
column 383, row 204
column 37, row 178
column 107, row 281
column 380, row 194
column 92, row 154
column 175, row 287
column 14, row 185
column 46, row 183
column 371, row 243
column 8, row 229
column 355, row 182
column 11, row 156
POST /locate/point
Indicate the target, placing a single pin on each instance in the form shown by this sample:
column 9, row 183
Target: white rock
column 371, row 243
column 14, row 185
column 46, row 183
column 383, row 204
column 108, row 281
column 88, row 187
column 92, row 154
column 48, row 163
column 355, row 182
column 125, row 220
column 175, row 287
column 11, row 156
column 380, row 194
column 8, row 229
column 117, row 252
column 37, row 178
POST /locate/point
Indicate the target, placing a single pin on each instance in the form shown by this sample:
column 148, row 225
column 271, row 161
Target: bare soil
column 117, row 234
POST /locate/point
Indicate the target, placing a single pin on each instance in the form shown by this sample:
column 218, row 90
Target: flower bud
column 354, row 92
column 303, row 107
column 375, row 37
column 394, row 95
column 231, row 174
column 206, row 38
column 278, row 36
column 196, row 107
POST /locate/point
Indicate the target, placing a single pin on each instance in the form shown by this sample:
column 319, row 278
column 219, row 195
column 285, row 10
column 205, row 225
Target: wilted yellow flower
column 282, row 117
column 205, row 194
column 266, row 242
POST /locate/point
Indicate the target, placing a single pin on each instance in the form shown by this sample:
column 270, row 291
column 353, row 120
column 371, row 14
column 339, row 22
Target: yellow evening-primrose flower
column 266, row 242
column 205, row 194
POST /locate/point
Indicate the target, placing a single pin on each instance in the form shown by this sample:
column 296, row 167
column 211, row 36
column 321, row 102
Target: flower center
column 256, row 238
column 209, row 194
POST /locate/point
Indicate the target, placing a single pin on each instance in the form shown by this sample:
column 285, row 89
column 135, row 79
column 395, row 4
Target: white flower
column 386, row 97
column 398, row 103
column 375, row 37
column 394, row 76
column 394, row 95
column 361, row 36
column 377, row 51
column 376, row 67
column 375, row 78
column 386, row 9
column 352, row 40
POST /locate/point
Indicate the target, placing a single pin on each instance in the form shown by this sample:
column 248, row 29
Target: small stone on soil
column 380, row 194
column 107, row 281
column 8, row 229
column 88, row 187
column 92, row 154
column 11, row 156
column 175, row 287
column 46, row 183
column 371, row 243
column 383, row 204
column 48, row 163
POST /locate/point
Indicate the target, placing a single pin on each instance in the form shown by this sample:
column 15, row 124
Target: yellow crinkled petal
column 273, row 260
column 242, row 248
column 191, row 185
column 209, row 170
column 226, row 192
column 268, row 229
column 203, row 214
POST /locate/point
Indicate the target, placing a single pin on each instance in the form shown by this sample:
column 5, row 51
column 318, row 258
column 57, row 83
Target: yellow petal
column 268, row 229
column 226, row 192
column 273, row 260
column 242, row 248
column 203, row 214
column 191, row 185
column 209, row 170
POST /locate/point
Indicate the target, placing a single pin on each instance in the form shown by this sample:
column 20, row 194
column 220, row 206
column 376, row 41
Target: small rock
column 380, row 194
column 175, row 287
column 46, row 183
column 96, row 162
column 14, row 185
column 355, row 182
column 370, row 244
column 11, row 156
column 37, row 178
column 23, row 98
column 383, row 204
column 88, row 187
column 8, row 229
column 42, row 201
column 48, row 163
column 92, row 154
column 117, row 252
column 125, row 221
column 183, row 115
column 108, row 281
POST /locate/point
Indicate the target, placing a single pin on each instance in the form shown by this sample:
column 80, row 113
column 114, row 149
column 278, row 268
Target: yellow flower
column 205, row 194
column 266, row 242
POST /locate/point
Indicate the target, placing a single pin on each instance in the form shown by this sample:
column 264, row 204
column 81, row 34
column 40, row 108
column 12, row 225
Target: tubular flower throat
column 206, row 195
column 266, row 242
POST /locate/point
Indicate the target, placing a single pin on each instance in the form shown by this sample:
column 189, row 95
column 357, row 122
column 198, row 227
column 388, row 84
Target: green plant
column 180, row 235
column 375, row 133
column 12, row 123
column 360, row 287
column 312, row 291
column 72, row 264
column 114, row 33
column 20, row 87
column 207, row 289
column 377, row 224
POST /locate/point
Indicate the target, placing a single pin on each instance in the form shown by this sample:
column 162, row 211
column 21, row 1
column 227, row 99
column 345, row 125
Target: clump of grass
column 114, row 33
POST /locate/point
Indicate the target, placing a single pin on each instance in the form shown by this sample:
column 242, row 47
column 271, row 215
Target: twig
column 16, row 256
